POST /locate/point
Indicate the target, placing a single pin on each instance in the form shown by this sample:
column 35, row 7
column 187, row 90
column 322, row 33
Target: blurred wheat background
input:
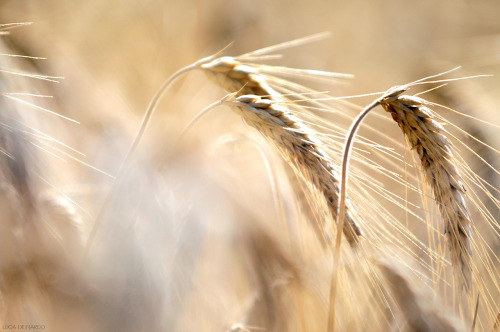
column 192, row 238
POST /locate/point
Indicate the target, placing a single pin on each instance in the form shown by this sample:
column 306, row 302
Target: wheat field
column 187, row 165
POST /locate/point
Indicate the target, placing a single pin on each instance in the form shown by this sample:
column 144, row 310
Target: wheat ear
column 233, row 75
column 425, row 135
column 299, row 146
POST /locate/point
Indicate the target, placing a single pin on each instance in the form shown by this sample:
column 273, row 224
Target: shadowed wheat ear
column 298, row 146
column 419, row 309
column 296, row 142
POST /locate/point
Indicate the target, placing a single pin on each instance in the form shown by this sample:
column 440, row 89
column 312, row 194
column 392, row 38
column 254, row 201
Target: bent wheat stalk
column 298, row 145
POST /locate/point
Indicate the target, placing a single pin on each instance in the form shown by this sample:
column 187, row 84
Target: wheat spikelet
column 311, row 165
column 425, row 135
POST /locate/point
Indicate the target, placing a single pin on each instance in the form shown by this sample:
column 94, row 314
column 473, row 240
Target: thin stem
column 144, row 123
column 274, row 188
column 496, row 326
column 341, row 209
column 200, row 115
column 473, row 327
column 149, row 112
column 273, row 177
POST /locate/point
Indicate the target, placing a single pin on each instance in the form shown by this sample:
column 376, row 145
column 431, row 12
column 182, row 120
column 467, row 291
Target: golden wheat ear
column 425, row 135
column 298, row 146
